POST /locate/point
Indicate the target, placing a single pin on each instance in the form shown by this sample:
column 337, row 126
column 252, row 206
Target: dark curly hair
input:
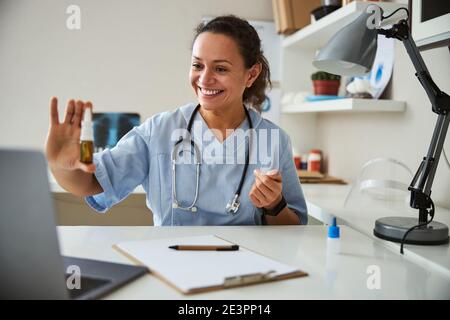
column 249, row 45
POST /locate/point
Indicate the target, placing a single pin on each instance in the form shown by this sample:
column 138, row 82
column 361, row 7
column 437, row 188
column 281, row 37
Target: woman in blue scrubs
column 213, row 162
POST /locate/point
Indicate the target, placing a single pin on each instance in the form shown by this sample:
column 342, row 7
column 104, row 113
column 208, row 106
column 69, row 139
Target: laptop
column 31, row 266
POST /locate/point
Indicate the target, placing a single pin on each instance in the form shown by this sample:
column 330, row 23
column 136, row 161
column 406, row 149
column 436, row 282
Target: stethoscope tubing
column 192, row 207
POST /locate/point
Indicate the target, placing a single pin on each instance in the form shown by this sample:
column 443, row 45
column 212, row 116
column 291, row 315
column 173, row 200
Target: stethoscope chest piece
column 233, row 205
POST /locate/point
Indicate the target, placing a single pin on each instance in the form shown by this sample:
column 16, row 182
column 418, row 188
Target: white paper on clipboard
column 191, row 271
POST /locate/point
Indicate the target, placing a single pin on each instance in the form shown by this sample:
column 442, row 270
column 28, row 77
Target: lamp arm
column 440, row 101
column 420, row 186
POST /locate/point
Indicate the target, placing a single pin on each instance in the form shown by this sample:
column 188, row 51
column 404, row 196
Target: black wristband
column 277, row 209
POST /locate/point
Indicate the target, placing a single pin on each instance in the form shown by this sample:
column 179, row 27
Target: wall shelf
column 347, row 105
column 318, row 33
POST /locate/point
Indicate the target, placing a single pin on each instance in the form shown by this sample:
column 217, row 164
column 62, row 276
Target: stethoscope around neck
column 233, row 205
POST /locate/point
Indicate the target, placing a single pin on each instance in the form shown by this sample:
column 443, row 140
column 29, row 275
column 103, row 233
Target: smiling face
column 218, row 74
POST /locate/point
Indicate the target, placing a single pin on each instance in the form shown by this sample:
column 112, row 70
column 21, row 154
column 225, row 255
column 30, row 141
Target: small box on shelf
column 292, row 15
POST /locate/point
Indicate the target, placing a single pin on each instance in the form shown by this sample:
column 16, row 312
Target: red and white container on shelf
column 315, row 160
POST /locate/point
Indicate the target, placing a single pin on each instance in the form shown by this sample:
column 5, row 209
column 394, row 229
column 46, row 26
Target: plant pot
column 326, row 87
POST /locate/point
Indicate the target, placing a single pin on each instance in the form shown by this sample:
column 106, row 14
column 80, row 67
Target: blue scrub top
column 143, row 157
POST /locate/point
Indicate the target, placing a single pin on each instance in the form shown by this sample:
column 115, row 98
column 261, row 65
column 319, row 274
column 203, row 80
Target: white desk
column 301, row 246
column 326, row 201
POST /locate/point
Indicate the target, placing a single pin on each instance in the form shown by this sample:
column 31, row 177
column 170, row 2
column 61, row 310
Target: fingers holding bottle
column 266, row 191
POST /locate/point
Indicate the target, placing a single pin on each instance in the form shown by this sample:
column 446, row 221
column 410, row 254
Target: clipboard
column 184, row 271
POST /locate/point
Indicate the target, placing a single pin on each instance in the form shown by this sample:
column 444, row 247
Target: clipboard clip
column 251, row 278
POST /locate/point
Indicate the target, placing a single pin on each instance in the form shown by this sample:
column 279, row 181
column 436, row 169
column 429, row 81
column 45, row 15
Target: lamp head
column 351, row 51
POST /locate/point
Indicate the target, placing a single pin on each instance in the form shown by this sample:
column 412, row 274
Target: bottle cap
column 333, row 230
column 87, row 128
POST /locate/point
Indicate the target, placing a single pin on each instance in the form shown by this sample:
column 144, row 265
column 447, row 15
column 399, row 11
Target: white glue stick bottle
column 332, row 255
column 333, row 240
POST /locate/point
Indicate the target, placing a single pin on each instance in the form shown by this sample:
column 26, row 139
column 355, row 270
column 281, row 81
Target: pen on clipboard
column 233, row 247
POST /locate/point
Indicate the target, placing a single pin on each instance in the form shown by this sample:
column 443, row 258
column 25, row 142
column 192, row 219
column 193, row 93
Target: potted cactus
column 326, row 83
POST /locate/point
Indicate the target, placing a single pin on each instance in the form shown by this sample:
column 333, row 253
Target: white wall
column 130, row 55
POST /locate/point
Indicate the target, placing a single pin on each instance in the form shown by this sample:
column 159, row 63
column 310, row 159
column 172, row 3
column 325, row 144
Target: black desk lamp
column 351, row 52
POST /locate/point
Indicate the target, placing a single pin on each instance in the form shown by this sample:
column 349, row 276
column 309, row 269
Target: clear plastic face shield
column 381, row 185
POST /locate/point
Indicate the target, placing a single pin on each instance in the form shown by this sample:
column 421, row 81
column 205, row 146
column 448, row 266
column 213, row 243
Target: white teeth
column 209, row 92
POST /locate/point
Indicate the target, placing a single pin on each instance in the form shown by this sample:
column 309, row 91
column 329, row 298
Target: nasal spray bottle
column 87, row 138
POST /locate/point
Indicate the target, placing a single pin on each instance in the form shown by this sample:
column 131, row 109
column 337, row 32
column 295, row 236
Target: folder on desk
column 201, row 271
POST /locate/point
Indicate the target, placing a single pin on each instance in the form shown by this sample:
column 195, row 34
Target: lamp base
column 393, row 229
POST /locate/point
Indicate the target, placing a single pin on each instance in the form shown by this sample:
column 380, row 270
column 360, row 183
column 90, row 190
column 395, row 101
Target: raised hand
column 62, row 147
